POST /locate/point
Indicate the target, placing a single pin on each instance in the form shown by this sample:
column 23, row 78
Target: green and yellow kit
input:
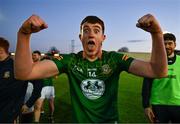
column 94, row 85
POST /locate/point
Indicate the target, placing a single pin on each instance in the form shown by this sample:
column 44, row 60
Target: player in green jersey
column 93, row 73
column 47, row 92
column 161, row 97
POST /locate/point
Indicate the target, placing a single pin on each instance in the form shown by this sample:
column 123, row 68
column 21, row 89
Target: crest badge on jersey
column 6, row 74
column 106, row 69
column 93, row 88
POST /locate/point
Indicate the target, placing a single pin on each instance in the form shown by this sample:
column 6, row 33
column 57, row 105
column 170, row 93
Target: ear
column 80, row 37
column 104, row 37
column 175, row 44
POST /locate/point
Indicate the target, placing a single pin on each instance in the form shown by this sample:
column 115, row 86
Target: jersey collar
column 99, row 56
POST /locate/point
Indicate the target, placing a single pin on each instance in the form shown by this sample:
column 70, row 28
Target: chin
column 91, row 53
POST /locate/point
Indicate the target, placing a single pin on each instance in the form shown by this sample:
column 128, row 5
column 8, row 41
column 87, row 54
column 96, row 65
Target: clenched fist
column 149, row 24
column 32, row 24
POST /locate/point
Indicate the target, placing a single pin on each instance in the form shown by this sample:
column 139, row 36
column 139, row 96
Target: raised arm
column 157, row 66
column 25, row 69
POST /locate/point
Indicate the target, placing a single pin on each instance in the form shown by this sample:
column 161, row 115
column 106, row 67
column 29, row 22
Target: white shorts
column 28, row 95
column 47, row 92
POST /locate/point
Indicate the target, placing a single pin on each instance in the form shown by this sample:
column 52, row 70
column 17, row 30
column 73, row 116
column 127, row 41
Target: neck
column 172, row 55
column 92, row 57
column 3, row 57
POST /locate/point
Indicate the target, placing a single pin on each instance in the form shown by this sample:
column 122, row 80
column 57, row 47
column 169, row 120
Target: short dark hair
column 169, row 36
column 93, row 20
column 4, row 44
column 37, row 51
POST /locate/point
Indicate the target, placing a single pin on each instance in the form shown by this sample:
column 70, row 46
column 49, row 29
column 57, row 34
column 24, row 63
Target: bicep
column 141, row 68
column 43, row 69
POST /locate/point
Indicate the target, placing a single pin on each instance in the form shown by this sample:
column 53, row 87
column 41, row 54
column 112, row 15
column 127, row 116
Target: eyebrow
column 96, row 26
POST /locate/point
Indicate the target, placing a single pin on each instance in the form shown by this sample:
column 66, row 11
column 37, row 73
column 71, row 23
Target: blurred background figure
column 12, row 91
column 33, row 92
column 161, row 96
column 48, row 92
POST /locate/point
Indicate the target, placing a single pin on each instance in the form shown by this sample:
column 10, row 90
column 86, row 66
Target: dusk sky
column 64, row 17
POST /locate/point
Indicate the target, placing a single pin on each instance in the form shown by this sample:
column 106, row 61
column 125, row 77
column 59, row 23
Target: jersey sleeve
column 36, row 93
column 123, row 61
column 62, row 62
column 146, row 92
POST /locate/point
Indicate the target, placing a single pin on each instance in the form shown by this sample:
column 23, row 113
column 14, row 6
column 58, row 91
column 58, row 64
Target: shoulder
column 8, row 61
column 177, row 59
column 116, row 55
column 178, row 55
column 111, row 53
column 66, row 59
column 72, row 56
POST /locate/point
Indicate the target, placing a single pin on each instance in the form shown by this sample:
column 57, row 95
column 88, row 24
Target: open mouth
column 91, row 42
column 91, row 45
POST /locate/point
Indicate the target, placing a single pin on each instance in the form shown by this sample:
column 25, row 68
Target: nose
column 91, row 34
column 167, row 45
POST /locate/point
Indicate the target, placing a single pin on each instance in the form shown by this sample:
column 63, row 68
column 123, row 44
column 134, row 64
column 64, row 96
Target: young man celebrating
column 161, row 97
column 93, row 73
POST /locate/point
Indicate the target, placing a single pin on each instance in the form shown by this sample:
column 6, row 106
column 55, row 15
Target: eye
column 85, row 31
column 96, row 31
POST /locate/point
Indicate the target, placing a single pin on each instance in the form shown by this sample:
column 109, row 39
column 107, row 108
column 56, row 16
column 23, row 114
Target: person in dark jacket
column 32, row 94
column 12, row 91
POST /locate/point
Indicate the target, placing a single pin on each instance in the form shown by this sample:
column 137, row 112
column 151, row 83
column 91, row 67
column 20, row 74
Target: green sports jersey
column 166, row 91
column 48, row 81
column 94, row 85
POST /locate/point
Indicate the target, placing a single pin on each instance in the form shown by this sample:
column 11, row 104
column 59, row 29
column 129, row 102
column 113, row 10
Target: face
column 170, row 47
column 36, row 57
column 3, row 54
column 92, row 37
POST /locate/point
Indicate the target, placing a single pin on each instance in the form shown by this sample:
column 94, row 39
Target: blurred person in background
column 33, row 92
column 161, row 96
column 47, row 92
column 12, row 91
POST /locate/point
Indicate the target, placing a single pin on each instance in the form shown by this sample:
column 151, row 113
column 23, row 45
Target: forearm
column 158, row 55
column 37, row 84
column 146, row 92
column 23, row 57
